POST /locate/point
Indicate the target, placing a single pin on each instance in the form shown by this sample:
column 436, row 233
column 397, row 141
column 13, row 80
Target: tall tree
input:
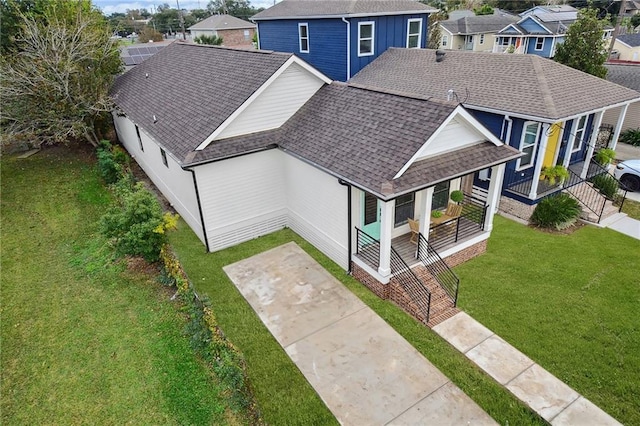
column 435, row 34
column 485, row 9
column 55, row 86
column 583, row 48
column 239, row 8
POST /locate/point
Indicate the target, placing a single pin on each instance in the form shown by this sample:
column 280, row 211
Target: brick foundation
column 466, row 254
column 379, row 289
column 516, row 208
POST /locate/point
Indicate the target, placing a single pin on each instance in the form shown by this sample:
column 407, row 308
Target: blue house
column 341, row 37
column 553, row 114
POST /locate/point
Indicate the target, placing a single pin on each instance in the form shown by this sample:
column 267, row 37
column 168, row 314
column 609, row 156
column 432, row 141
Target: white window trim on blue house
column 524, row 144
column 539, row 42
column 578, row 136
column 303, row 38
column 417, row 36
column 361, row 39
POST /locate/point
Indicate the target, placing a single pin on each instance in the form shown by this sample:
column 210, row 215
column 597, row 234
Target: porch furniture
column 414, row 225
column 453, row 211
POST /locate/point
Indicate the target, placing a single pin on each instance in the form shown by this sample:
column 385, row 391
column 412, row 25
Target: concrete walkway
column 552, row 399
column 365, row 372
column 622, row 223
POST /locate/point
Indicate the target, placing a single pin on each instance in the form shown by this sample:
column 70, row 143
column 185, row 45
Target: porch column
column 569, row 147
column 495, row 189
column 616, row 132
column 386, row 225
column 592, row 142
column 425, row 212
column 537, row 165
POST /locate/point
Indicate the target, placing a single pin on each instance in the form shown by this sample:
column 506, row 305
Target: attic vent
column 155, row 120
column 146, row 75
column 439, row 55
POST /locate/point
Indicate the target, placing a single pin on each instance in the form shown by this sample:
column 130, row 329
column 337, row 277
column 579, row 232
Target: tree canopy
column 55, row 83
column 583, row 48
column 239, row 8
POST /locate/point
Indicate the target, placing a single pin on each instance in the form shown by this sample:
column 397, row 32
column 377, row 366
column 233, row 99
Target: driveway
column 365, row 372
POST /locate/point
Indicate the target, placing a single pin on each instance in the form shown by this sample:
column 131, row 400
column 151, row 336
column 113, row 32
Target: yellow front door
column 552, row 145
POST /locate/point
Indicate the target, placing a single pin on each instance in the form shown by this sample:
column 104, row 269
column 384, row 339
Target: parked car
column 628, row 173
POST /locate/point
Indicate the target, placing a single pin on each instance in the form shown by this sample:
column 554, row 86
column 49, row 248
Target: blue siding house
column 340, row 37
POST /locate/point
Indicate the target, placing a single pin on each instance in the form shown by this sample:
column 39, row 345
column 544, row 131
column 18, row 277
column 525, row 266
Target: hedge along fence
column 137, row 227
column 208, row 340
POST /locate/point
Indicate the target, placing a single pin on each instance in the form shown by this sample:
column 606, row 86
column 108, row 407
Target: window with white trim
column 303, row 34
column 579, row 134
column 247, row 35
column 481, row 38
column 445, row 40
column 530, row 134
column 164, row 157
column 404, row 209
column 139, row 138
column 414, row 33
column 539, row 43
column 366, row 31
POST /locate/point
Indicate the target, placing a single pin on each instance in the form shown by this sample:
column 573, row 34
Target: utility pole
column 184, row 35
column 616, row 29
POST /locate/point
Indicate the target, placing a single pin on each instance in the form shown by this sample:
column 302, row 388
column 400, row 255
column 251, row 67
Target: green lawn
column 569, row 302
column 631, row 208
column 283, row 394
column 85, row 341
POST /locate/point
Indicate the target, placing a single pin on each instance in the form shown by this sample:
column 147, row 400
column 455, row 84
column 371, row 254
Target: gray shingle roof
column 221, row 22
column 290, row 9
column 627, row 75
column 365, row 136
column 632, row 40
column 191, row 89
column 527, row 85
column 479, row 24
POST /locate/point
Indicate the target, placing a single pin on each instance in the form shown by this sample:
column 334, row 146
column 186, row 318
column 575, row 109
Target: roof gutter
column 346, row 15
column 348, row 51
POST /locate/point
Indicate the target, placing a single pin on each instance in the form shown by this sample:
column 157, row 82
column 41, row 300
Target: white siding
column 631, row 121
column 276, row 104
column 318, row 209
column 455, row 135
column 242, row 198
column 174, row 183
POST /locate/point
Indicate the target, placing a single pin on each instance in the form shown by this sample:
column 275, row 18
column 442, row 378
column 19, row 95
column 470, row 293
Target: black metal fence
column 368, row 249
column 470, row 222
column 413, row 287
column 438, row 268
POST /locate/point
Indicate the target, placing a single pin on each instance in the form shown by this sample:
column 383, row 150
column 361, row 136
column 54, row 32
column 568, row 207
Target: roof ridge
column 399, row 93
column 543, row 84
column 259, row 51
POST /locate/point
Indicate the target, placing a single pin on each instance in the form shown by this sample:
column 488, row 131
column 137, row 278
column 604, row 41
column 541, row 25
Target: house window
column 579, row 134
column 440, row 197
column 247, row 35
column 528, row 145
column 404, row 208
column 139, row 138
column 164, row 157
column 414, row 33
column 303, row 32
column 365, row 38
column 445, row 40
column 468, row 42
column 505, row 41
column 539, row 43
column 481, row 38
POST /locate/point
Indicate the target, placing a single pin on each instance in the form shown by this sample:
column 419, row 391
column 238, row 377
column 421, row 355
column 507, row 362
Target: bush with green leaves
column 113, row 162
column 136, row 223
column 456, row 196
column 631, row 136
column 607, row 185
column 558, row 211
column 605, row 156
column 212, row 40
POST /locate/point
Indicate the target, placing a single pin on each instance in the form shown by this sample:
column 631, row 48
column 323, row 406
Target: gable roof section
column 627, row 75
column 190, row 106
column 221, row 22
column 631, row 40
column 478, row 24
column 524, row 85
column 292, row 9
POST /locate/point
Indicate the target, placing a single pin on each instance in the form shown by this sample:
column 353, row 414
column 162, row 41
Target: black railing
column 413, row 287
column 444, row 276
column 368, row 248
column 470, row 222
column 585, row 193
column 596, row 169
column 518, row 182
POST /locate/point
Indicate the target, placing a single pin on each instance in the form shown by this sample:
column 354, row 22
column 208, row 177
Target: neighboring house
column 548, row 111
column 234, row 31
column 627, row 75
column 476, row 33
column 627, row 48
column 340, row 37
column 263, row 141
column 539, row 31
column 632, row 8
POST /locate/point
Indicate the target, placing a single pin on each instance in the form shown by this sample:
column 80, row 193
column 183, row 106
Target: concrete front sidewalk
column 622, row 223
column 552, row 399
column 365, row 372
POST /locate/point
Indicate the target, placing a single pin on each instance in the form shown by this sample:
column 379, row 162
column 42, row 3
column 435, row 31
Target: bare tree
column 56, row 85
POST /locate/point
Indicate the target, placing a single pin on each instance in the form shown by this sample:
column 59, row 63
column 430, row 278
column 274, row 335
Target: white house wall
column 455, row 135
column 317, row 207
column 276, row 104
column 242, row 198
column 174, row 183
column 632, row 118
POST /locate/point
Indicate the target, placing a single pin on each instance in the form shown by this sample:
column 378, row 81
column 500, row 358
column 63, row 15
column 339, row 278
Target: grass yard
column 284, row 395
column 569, row 302
column 631, row 208
column 84, row 340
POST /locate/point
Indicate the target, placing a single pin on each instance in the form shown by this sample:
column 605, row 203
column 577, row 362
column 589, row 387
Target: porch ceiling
column 450, row 165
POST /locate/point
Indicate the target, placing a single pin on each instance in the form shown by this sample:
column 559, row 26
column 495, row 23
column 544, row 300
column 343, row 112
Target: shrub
column 456, row 196
column 605, row 156
column 555, row 174
column 607, row 185
column 113, row 162
column 558, row 211
column 631, row 136
column 212, row 40
column 436, row 214
column 136, row 223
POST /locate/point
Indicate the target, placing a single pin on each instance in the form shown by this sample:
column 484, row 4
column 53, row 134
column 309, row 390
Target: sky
column 110, row 6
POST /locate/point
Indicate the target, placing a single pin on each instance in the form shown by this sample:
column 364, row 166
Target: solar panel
column 128, row 61
column 143, row 51
column 137, row 59
column 133, row 51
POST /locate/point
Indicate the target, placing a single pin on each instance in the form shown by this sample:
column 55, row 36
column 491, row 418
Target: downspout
column 348, row 58
column 342, row 182
column 509, row 121
column 195, row 185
